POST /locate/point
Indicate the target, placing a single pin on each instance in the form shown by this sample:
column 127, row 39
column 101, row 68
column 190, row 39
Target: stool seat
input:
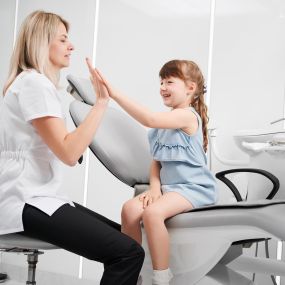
column 19, row 241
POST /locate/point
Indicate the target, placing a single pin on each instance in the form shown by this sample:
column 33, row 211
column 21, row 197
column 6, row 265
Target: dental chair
column 31, row 247
column 206, row 243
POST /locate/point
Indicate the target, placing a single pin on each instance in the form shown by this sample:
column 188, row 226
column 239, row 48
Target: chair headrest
column 82, row 89
column 120, row 144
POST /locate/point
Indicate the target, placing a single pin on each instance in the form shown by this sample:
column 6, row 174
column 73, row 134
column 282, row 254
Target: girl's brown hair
column 189, row 71
column 31, row 49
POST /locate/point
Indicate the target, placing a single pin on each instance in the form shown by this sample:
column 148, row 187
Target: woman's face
column 60, row 49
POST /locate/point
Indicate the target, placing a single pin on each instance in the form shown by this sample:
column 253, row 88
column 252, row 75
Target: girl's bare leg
column 153, row 216
column 131, row 219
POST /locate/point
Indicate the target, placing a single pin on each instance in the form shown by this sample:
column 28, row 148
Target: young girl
column 34, row 143
column 179, row 177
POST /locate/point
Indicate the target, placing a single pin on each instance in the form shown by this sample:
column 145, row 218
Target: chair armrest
column 221, row 176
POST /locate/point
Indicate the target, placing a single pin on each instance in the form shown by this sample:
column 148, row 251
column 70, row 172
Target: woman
column 33, row 144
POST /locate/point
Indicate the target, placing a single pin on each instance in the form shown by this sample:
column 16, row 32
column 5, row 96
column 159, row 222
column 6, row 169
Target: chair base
column 32, row 259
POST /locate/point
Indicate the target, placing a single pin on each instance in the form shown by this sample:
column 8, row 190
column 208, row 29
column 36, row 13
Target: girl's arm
column 154, row 178
column 175, row 119
column 68, row 147
column 154, row 192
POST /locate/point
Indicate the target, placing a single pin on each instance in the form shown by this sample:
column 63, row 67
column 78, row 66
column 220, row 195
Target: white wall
column 7, row 16
column 248, row 73
column 134, row 40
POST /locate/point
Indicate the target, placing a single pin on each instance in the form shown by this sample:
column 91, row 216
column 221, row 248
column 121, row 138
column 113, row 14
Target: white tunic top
column 29, row 171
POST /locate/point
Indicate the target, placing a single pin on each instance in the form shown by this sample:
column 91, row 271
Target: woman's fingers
column 90, row 67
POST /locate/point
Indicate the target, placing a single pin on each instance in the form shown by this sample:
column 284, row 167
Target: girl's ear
column 192, row 86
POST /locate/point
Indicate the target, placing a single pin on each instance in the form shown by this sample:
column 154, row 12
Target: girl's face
column 175, row 93
column 60, row 49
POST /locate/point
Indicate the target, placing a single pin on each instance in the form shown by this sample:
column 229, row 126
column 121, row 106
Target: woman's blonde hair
column 31, row 49
column 189, row 71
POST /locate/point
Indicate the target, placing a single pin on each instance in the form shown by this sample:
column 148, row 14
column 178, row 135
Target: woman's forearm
column 76, row 142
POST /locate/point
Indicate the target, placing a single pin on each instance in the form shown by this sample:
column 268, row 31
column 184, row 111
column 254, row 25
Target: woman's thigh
column 79, row 230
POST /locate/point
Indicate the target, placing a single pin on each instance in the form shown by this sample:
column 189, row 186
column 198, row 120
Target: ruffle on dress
column 173, row 145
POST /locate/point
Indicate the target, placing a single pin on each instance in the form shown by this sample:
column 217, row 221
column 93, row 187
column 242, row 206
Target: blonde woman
column 34, row 143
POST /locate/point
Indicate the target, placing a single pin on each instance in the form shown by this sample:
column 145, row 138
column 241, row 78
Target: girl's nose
column 162, row 87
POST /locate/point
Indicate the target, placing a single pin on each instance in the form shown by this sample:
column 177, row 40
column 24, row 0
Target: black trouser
column 86, row 233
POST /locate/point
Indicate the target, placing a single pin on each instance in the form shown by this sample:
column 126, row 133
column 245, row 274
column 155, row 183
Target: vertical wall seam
column 87, row 155
column 15, row 22
column 210, row 55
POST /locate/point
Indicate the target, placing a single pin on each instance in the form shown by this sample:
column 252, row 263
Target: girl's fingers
column 99, row 75
column 102, row 77
column 145, row 201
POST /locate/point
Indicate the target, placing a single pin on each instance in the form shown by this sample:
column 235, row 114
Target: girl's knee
column 131, row 210
column 152, row 214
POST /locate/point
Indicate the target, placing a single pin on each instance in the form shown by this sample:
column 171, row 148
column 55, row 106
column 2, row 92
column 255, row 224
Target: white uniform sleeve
column 38, row 98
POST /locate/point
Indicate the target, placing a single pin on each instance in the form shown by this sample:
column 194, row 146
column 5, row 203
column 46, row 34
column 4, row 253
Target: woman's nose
column 71, row 46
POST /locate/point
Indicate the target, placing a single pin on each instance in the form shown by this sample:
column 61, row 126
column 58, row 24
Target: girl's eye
column 169, row 82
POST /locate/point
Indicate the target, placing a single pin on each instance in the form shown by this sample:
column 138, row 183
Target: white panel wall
column 7, row 16
column 248, row 72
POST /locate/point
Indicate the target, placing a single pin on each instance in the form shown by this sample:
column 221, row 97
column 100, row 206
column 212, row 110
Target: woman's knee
column 134, row 251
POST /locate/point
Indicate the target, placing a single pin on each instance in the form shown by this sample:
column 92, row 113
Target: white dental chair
column 204, row 241
column 31, row 247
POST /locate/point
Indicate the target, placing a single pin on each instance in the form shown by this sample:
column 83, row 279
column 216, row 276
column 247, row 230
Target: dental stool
column 206, row 243
column 18, row 243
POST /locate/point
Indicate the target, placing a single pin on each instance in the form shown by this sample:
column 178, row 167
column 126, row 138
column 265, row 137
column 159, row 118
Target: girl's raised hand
column 100, row 88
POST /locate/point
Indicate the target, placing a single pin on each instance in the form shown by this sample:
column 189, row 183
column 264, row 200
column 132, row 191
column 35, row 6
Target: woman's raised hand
column 100, row 87
column 100, row 81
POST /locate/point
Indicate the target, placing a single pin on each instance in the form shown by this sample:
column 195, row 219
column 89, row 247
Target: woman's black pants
column 86, row 233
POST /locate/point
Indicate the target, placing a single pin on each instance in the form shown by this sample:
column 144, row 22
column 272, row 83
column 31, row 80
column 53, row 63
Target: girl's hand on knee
column 149, row 197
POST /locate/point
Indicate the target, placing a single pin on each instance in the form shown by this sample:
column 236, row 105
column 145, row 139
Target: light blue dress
column 184, row 164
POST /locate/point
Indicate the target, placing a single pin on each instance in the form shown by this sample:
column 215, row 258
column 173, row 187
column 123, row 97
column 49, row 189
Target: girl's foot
column 161, row 277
